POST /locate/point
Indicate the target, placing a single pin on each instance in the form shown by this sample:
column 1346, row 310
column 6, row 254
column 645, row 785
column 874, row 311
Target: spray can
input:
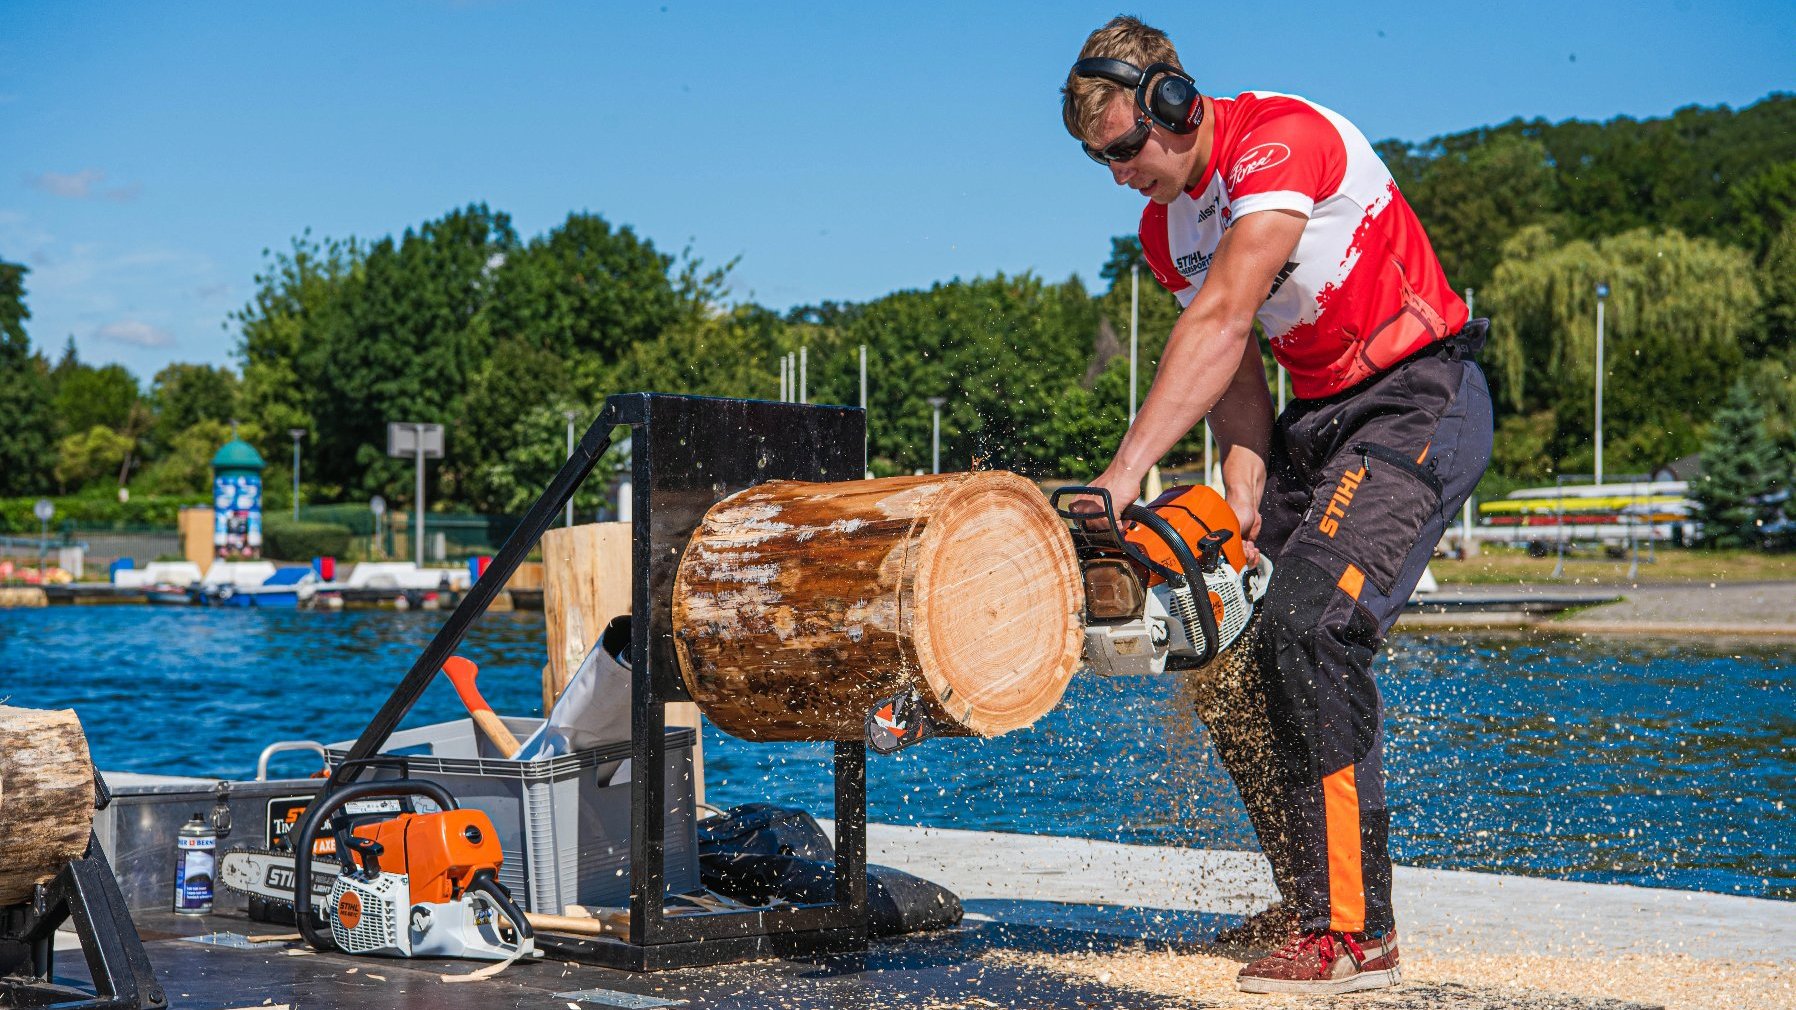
column 196, row 859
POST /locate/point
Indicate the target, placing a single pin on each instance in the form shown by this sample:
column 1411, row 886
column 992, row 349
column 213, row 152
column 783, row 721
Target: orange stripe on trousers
column 1352, row 581
column 1346, row 886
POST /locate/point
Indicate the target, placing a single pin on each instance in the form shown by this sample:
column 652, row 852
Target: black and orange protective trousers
column 1360, row 488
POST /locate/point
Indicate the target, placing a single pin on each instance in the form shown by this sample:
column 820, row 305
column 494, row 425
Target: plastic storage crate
column 563, row 823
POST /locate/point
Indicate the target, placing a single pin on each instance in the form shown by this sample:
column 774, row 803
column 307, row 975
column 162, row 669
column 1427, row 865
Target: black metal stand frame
column 86, row 891
column 688, row 453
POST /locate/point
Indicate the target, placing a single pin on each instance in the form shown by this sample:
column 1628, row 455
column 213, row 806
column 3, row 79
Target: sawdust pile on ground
column 1633, row 980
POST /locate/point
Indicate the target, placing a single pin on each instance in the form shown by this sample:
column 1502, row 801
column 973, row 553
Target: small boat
column 286, row 589
column 168, row 594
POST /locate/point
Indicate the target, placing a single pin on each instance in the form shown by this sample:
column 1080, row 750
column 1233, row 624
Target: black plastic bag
column 897, row 902
column 767, row 830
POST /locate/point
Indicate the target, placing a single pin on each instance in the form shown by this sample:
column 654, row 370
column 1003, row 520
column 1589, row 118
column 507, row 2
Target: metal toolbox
column 564, row 822
column 138, row 828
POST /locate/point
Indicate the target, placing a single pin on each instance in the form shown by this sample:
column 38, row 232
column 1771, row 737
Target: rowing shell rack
column 688, row 453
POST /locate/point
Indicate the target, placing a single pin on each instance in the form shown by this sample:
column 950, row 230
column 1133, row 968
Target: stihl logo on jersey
column 1193, row 263
column 1257, row 157
column 1279, row 281
column 1338, row 502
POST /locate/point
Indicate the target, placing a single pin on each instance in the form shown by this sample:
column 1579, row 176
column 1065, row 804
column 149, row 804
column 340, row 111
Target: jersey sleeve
column 1291, row 161
column 1158, row 252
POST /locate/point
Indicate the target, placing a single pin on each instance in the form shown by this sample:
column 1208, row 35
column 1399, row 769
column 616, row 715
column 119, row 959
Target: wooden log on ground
column 46, row 797
column 798, row 607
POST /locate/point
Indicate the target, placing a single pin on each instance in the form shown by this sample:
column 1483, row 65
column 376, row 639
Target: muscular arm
column 1242, row 421
column 1211, row 360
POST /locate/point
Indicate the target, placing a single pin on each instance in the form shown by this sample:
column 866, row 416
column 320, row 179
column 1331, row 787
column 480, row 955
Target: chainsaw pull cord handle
column 306, row 832
column 487, row 883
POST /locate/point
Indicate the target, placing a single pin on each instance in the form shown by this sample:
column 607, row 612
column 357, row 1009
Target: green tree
column 91, row 456
column 87, row 396
column 285, row 331
column 182, row 395
column 1472, row 196
column 1777, row 279
column 586, row 290
column 185, row 464
column 26, row 436
column 1678, row 316
column 409, row 337
column 1672, row 172
column 1740, row 470
column 1764, row 204
column 1005, row 352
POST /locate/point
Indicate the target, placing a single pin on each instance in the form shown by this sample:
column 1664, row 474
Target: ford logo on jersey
column 1257, row 157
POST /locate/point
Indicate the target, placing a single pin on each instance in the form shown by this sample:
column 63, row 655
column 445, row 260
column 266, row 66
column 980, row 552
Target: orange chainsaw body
column 1195, row 512
column 440, row 852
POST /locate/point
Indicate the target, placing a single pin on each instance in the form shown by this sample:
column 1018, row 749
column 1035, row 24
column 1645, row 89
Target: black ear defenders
column 1164, row 93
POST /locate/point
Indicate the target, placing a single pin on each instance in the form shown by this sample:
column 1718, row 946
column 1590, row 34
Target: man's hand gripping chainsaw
column 1169, row 586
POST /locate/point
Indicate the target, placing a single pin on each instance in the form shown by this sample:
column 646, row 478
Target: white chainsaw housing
column 390, row 926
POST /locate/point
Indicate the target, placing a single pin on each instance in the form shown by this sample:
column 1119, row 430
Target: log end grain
column 998, row 605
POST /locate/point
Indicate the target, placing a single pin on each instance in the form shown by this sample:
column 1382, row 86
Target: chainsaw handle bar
column 306, row 832
column 1133, row 512
column 485, row 882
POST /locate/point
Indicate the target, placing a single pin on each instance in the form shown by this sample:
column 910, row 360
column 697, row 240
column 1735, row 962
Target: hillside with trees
column 1690, row 218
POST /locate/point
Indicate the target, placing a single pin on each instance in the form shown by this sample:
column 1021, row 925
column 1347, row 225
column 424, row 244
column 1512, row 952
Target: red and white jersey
column 1363, row 288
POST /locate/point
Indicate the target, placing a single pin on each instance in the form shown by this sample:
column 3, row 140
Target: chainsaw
column 1169, row 587
column 414, row 885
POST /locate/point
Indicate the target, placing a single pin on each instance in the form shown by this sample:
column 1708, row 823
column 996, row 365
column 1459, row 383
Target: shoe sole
column 1353, row 983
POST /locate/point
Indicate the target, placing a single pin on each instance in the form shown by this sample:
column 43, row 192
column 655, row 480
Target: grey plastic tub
column 564, row 826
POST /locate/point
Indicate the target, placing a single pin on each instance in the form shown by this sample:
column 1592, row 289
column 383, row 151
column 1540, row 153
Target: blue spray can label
column 196, row 859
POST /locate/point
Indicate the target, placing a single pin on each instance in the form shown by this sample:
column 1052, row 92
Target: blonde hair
column 1084, row 99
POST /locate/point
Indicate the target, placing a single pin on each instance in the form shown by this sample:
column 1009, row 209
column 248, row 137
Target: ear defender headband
column 1164, row 93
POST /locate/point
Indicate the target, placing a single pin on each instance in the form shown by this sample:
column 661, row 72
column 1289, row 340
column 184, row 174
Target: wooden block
column 46, row 797
column 586, row 582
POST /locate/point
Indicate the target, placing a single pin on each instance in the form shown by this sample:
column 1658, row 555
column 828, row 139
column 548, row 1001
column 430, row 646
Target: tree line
column 1689, row 219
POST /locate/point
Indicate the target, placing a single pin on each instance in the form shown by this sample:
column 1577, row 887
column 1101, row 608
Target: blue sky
column 149, row 153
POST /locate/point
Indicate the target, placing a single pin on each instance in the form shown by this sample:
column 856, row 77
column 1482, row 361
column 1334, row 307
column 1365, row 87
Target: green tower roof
column 237, row 455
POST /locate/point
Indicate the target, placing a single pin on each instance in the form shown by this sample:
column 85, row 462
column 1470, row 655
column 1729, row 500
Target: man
column 1270, row 207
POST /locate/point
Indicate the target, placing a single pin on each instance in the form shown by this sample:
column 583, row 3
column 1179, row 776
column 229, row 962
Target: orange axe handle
column 461, row 673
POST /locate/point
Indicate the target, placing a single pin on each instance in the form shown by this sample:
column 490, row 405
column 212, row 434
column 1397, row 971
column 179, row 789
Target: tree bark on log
column 46, row 797
column 798, row 607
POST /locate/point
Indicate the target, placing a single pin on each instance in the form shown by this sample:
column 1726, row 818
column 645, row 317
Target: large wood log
column 800, row 606
column 46, row 797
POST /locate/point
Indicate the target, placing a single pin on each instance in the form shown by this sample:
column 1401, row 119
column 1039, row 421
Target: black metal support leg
column 85, row 891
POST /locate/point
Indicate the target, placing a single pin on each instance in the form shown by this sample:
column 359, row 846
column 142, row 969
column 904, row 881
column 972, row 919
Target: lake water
column 1663, row 763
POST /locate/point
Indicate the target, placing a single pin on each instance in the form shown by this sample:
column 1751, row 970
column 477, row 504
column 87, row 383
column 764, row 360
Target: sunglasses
column 1122, row 148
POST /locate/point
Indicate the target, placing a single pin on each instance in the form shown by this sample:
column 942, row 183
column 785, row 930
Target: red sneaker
column 1324, row 963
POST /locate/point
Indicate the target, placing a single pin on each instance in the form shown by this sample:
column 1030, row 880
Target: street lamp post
column 1134, row 326
column 44, row 510
column 866, row 430
column 935, row 438
column 1602, row 292
column 297, row 433
column 570, row 415
column 378, row 506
